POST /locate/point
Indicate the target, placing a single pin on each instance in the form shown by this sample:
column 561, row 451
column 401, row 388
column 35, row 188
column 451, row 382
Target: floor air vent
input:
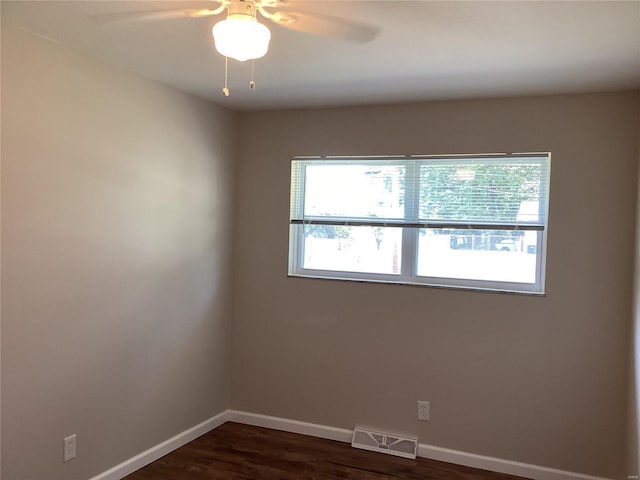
column 385, row 443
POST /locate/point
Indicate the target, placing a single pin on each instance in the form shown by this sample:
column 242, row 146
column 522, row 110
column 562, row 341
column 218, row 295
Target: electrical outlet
column 424, row 410
column 70, row 447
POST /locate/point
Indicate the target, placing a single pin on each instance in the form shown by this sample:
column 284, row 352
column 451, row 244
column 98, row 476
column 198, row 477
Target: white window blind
column 446, row 221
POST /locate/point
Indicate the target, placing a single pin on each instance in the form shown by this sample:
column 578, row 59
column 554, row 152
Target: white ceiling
column 426, row 50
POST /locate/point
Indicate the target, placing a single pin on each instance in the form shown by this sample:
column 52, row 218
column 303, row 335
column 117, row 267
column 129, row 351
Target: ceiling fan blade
column 323, row 25
column 151, row 15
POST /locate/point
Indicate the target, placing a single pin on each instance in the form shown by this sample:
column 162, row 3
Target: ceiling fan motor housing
column 241, row 7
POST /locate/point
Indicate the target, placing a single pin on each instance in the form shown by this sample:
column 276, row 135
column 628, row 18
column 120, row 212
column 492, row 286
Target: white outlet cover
column 424, row 410
column 70, row 447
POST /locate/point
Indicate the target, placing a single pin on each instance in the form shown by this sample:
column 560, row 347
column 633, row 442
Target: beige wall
column 0, row 254
column 115, row 261
column 116, row 210
column 536, row 380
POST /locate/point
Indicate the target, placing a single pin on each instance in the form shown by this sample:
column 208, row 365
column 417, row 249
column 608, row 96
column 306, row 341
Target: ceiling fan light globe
column 241, row 37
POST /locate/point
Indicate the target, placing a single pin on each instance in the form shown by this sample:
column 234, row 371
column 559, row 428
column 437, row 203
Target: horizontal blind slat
column 459, row 226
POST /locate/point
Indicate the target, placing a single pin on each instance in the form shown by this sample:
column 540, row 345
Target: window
column 456, row 221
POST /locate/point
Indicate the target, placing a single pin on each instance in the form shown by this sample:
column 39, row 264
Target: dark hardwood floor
column 235, row 451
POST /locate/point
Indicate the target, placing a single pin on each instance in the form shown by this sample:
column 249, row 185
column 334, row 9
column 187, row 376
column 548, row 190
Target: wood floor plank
column 241, row 452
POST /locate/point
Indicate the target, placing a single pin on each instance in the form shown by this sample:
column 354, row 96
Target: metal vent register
column 385, row 443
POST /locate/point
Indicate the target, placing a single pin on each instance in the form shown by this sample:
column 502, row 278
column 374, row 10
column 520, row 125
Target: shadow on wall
column 633, row 437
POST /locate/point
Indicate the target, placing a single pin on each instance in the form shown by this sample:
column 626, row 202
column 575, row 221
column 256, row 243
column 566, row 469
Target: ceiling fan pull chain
column 225, row 90
column 252, row 83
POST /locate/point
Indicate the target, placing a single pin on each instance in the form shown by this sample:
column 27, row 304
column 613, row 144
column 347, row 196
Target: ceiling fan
column 242, row 37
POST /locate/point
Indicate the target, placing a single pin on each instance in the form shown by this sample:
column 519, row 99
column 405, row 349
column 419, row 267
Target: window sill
column 408, row 283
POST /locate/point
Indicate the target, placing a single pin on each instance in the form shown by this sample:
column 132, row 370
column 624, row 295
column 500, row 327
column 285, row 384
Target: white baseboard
column 510, row 467
column 160, row 450
column 292, row 426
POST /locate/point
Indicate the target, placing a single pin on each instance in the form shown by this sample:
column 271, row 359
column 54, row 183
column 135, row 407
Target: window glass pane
column 352, row 249
column 354, row 190
column 493, row 255
column 476, row 221
column 484, row 190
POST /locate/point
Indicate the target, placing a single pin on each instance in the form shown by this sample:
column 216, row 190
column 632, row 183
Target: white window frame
column 410, row 228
